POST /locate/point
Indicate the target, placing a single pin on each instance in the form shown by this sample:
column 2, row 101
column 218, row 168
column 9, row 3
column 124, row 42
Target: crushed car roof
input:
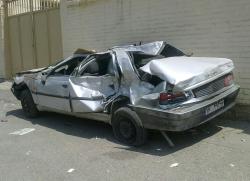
column 83, row 51
column 150, row 48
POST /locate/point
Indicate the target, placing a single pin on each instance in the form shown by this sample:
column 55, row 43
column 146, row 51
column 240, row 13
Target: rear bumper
column 184, row 118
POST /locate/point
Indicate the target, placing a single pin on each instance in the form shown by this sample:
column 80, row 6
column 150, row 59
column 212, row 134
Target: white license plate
column 214, row 107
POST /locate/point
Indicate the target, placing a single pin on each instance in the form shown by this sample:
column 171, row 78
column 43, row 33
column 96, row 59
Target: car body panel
column 184, row 72
column 54, row 88
column 88, row 93
column 186, row 117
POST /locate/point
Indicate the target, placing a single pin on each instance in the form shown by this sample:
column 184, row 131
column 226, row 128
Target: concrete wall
column 219, row 28
column 2, row 66
column 30, row 49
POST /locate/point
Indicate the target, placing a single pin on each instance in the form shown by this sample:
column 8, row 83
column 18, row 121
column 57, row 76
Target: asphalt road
column 58, row 147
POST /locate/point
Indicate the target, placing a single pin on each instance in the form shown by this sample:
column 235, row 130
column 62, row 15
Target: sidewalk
column 5, row 85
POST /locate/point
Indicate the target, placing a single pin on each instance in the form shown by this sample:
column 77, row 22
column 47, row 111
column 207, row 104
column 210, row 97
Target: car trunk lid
column 185, row 72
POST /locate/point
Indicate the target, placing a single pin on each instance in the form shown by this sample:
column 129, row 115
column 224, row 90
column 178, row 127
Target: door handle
column 64, row 85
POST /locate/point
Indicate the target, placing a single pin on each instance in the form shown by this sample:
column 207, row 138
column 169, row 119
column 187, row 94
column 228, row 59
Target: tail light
column 171, row 98
column 228, row 80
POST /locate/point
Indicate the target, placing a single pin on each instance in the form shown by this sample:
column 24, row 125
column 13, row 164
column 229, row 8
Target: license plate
column 214, row 107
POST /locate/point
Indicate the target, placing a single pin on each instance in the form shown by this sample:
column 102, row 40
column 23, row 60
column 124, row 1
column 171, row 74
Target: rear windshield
column 170, row 51
column 140, row 59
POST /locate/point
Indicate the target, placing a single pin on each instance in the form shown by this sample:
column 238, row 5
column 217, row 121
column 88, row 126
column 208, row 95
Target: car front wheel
column 128, row 128
column 28, row 105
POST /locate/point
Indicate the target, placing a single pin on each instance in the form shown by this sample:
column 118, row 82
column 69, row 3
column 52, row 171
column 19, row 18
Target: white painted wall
column 207, row 28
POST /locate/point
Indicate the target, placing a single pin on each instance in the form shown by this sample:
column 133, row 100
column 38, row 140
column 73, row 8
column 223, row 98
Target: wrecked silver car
column 133, row 88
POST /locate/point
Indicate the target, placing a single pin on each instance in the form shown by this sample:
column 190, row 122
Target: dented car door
column 54, row 93
column 53, row 89
column 94, row 84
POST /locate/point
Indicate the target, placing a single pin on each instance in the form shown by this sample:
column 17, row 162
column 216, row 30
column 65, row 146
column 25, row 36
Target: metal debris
column 232, row 165
column 174, row 165
column 243, row 140
column 71, row 170
column 28, row 152
column 167, row 139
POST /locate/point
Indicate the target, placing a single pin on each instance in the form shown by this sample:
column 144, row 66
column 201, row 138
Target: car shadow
column 69, row 125
column 236, row 123
column 89, row 129
column 157, row 145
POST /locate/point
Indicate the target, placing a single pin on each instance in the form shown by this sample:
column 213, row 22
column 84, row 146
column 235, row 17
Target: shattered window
column 98, row 66
column 140, row 59
column 170, row 51
column 68, row 67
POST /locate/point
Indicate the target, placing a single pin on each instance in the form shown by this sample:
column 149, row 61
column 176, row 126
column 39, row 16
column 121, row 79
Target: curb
column 238, row 112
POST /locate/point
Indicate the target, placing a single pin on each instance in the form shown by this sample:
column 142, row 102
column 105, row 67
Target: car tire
column 128, row 128
column 28, row 105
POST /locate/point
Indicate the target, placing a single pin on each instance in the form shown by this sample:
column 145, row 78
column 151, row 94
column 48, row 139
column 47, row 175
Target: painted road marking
column 23, row 131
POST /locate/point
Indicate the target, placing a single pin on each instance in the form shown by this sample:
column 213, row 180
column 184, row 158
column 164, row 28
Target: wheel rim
column 127, row 129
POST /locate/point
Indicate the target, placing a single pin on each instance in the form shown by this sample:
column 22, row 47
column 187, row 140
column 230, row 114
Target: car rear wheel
column 128, row 128
column 28, row 105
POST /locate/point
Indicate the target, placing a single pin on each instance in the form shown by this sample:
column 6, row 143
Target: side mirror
column 44, row 77
column 44, row 73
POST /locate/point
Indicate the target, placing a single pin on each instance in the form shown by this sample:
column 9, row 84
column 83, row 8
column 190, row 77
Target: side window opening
column 140, row 59
column 99, row 66
column 170, row 51
column 67, row 68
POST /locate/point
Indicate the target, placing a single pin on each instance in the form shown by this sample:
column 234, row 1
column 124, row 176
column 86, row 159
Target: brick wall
column 219, row 28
